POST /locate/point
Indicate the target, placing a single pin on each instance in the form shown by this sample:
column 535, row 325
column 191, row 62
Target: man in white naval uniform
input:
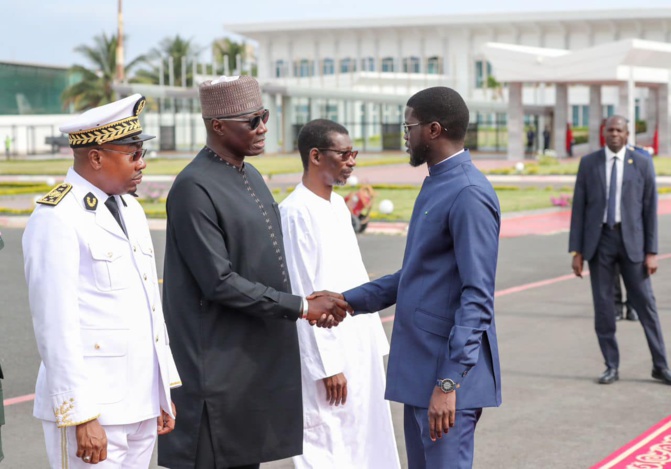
column 103, row 388
column 347, row 422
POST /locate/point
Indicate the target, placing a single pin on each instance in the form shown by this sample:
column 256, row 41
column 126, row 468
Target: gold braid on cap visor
column 106, row 133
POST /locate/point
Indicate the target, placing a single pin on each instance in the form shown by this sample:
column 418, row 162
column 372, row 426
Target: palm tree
column 226, row 47
column 176, row 48
column 94, row 87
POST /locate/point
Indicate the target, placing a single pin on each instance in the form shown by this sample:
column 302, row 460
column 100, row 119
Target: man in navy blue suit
column 444, row 361
column 614, row 223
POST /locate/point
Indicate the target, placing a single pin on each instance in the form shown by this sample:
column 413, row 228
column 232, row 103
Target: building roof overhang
column 260, row 30
column 646, row 62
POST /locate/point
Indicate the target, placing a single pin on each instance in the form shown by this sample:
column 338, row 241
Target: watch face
column 447, row 385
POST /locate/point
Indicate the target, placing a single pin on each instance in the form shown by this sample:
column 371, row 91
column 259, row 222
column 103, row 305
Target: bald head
column 617, row 133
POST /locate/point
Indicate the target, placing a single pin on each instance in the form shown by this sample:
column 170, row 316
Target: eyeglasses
column 406, row 126
column 345, row 155
column 253, row 121
column 135, row 155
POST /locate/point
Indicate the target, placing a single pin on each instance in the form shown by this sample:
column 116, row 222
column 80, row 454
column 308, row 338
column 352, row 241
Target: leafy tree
column 496, row 87
column 95, row 85
column 227, row 47
column 175, row 47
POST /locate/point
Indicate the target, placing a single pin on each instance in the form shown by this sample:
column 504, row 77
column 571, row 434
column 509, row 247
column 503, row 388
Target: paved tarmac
column 554, row 414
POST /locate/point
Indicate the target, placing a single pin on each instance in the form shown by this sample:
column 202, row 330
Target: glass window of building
column 332, row 112
column 303, row 68
column 368, row 64
column 328, row 67
column 575, row 116
column 411, row 65
column 347, row 65
column 483, row 70
column 433, row 66
column 388, row 64
column 579, row 115
column 279, row 68
column 33, row 89
column 479, row 74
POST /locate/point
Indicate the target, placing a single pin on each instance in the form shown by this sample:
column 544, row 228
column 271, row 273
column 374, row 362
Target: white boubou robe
column 323, row 254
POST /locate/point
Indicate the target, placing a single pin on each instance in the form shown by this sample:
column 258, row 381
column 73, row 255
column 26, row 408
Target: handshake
column 327, row 309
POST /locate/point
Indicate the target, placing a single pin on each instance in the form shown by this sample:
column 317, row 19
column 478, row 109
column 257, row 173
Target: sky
column 47, row 32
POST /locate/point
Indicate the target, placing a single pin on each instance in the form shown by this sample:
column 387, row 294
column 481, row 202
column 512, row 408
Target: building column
column 287, row 124
column 342, row 115
column 515, row 122
column 274, row 126
column 651, row 109
column 314, row 109
column 663, row 120
column 560, row 119
column 595, row 116
column 366, row 126
column 626, row 108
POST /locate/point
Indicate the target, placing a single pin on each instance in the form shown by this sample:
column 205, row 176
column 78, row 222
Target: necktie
column 113, row 207
column 612, row 198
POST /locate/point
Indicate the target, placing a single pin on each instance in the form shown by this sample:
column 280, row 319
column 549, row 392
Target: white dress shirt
column 618, row 191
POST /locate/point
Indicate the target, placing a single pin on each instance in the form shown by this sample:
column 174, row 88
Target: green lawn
column 548, row 165
column 276, row 164
column 512, row 199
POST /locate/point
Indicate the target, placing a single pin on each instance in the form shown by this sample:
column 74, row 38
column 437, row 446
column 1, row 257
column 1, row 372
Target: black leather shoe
column 631, row 314
column 618, row 312
column 610, row 376
column 662, row 375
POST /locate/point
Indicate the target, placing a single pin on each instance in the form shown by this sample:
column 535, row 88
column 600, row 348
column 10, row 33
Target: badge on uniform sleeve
column 56, row 194
column 90, row 201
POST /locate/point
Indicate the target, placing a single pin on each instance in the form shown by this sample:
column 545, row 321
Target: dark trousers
column 620, row 301
column 452, row 451
column 205, row 452
column 611, row 252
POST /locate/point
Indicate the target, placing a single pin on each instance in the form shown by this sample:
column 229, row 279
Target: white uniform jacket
column 96, row 310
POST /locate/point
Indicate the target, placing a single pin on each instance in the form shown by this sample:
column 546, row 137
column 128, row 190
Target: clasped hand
column 326, row 309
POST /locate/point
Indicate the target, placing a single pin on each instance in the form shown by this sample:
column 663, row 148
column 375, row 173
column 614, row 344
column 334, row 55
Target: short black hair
column 443, row 105
column 317, row 134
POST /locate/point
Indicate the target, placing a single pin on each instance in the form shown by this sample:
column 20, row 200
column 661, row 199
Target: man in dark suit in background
column 620, row 302
column 614, row 222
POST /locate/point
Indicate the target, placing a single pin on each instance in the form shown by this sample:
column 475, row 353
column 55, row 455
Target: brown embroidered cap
column 230, row 96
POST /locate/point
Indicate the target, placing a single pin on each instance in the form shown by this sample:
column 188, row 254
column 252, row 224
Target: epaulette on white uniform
column 56, row 194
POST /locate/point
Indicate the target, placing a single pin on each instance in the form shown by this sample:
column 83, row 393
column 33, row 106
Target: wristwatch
column 304, row 308
column 446, row 385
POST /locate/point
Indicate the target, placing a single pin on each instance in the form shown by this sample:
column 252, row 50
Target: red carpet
column 553, row 222
column 651, row 450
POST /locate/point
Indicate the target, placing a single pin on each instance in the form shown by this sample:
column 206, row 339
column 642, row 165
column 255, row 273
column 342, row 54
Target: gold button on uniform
column 145, row 276
column 97, row 346
column 110, row 254
column 134, row 248
column 157, row 338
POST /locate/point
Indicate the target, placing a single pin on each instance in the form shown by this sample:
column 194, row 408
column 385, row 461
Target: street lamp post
column 120, row 72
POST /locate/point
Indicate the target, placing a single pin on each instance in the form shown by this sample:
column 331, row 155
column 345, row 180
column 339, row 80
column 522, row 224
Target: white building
column 362, row 71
